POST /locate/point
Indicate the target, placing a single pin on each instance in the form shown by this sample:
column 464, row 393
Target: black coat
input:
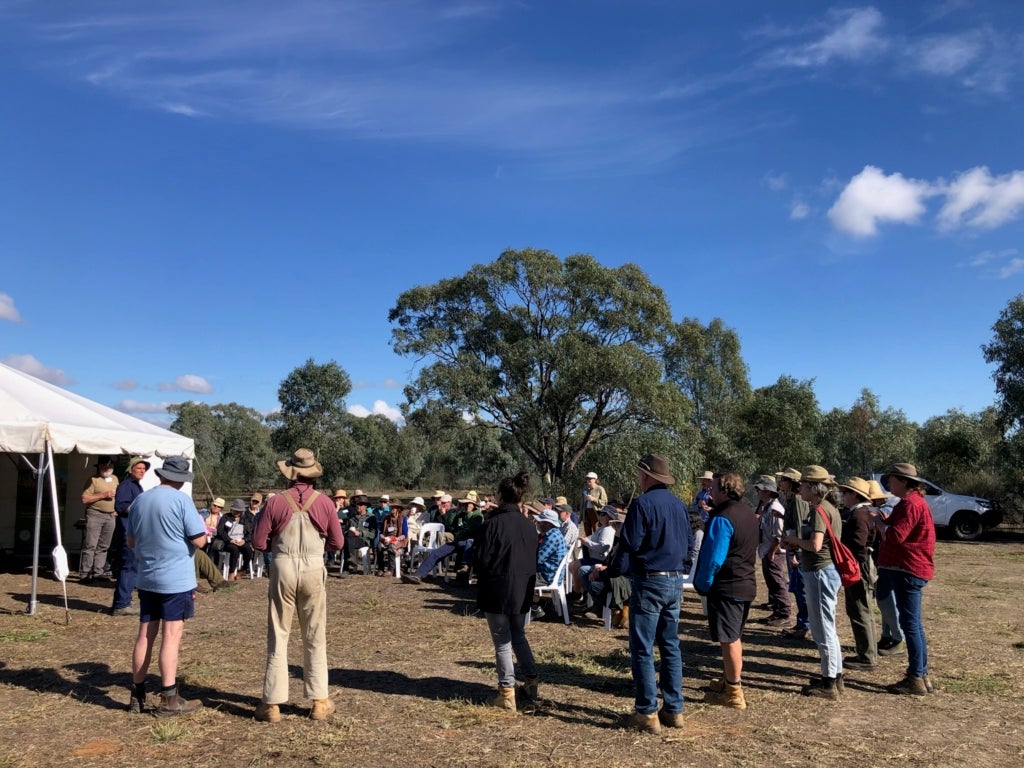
column 505, row 558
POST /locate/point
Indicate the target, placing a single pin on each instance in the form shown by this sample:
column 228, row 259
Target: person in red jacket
column 906, row 563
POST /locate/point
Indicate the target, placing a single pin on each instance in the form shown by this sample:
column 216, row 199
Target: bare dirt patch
column 409, row 666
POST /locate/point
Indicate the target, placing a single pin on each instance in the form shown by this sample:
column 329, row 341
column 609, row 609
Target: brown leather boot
column 729, row 696
column 530, row 684
column 670, row 719
column 620, row 620
column 172, row 704
column 638, row 722
column 505, row 699
column 268, row 713
column 322, row 709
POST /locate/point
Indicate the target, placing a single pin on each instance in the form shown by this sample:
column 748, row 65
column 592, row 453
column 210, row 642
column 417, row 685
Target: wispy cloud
column 126, row 385
column 380, row 408
column 190, row 382
column 872, row 197
column 975, row 198
column 390, row 384
column 776, row 182
column 30, row 365
column 850, row 35
column 7, row 309
column 946, row 54
column 987, row 257
column 138, row 406
column 1014, row 267
column 799, row 211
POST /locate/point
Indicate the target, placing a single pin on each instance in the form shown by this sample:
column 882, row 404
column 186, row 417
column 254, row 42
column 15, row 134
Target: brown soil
column 409, row 666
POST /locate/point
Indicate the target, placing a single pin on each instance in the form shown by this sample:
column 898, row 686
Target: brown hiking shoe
column 636, row 721
column 322, row 709
column 136, row 705
column 730, row 696
column 822, row 688
column 670, row 719
column 505, row 699
column 268, row 713
column 911, row 685
column 530, row 684
column 173, row 704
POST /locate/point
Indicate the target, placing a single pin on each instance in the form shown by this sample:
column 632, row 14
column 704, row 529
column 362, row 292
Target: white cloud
column 182, row 109
column 871, row 198
column 137, row 406
column 946, row 55
column 190, row 382
column 1015, row 267
column 776, row 182
column 390, row 384
column 799, row 211
column 28, row 364
column 127, row 385
column 380, row 408
column 986, row 257
column 978, row 199
column 852, row 34
column 7, row 309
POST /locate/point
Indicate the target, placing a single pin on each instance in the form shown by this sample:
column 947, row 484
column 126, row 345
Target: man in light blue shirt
column 164, row 529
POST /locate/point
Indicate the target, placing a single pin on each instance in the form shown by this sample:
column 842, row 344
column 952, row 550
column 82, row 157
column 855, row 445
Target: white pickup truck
column 965, row 517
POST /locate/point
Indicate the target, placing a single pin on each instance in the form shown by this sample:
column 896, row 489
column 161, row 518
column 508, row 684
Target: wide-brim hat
column 560, row 500
column 239, row 505
column 707, row 475
column 471, row 498
column 535, row 507
column 816, row 474
column 418, row 502
column 656, row 467
column 563, row 508
column 138, row 460
column 341, row 493
column 789, row 473
column 609, row 511
column 175, row 469
column 876, row 492
column 218, row 502
column 549, row 516
column 302, row 464
column 908, row 471
column 104, row 461
column 766, row 483
column 591, row 475
column 859, row 486
column 359, row 498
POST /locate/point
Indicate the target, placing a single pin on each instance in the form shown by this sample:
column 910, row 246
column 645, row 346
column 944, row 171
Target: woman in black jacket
column 506, row 567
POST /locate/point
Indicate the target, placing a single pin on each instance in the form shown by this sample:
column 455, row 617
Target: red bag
column 842, row 557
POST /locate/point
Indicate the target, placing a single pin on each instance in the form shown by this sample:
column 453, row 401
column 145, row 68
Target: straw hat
column 859, row 486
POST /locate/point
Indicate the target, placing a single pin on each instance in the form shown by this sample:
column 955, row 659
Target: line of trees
column 567, row 366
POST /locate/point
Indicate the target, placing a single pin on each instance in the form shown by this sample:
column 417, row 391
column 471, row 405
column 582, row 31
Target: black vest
column 736, row 577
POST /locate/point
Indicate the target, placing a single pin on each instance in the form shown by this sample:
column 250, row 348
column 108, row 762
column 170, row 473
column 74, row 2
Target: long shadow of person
column 390, row 682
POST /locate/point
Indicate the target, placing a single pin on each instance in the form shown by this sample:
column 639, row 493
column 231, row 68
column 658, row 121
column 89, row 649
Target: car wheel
column 966, row 525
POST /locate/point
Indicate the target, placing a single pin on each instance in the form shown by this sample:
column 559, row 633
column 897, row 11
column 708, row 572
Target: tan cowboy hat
column 341, row 493
column 876, row 492
column 656, row 467
column 471, row 498
column 138, row 460
column 816, row 474
column 790, row 474
column 218, row 502
column 418, row 502
column 859, row 486
column 708, row 475
column 302, row 464
column 908, row 471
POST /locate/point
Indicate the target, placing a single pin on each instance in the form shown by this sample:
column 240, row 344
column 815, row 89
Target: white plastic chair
column 431, row 537
column 364, row 554
column 556, row 589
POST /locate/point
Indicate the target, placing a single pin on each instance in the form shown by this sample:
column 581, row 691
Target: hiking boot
column 717, row 685
column 928, row 684
column 796, row 633
column 620, row 619
column 636, row 721
column 911, row 685
column 126, row 610
column 136, row 705
column 172, row 704
column 893, row 649
column 321, row 710
column 268, row 713
column 777, row 621
column 530, row 685
column 730, row 696
column 202, row 589
column 859, row 662
column 822, row 688
column 840, row 684
column 537, row 613
column 505, row 699
column 670, row 719
column 411, row 578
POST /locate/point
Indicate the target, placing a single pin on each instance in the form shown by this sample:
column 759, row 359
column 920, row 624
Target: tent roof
column 33, row 411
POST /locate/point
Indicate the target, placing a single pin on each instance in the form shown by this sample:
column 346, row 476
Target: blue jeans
column 886, row 600
column 796, row 586
column 822, row 590
column 126, row 577
column 654, row 618
column 907, row 590
column 508, row 632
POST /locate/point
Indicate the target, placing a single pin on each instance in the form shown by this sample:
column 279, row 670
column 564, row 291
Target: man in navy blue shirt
column 126, row 493
column 656, row 536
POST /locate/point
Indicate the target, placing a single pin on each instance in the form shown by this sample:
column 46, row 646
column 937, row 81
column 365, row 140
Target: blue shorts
column 156, row 606
column 726, row 618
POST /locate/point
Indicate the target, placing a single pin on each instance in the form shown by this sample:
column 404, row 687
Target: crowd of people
column 635, row 560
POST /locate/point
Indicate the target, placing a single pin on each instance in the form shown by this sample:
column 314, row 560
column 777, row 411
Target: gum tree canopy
column 559, row 354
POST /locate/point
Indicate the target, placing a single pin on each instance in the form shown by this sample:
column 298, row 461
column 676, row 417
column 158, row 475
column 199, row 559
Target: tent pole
column 33, row 603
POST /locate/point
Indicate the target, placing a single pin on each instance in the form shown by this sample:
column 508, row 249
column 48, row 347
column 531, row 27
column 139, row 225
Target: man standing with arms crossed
column 656, row 534
column 164, row 528
column 297, row 526
column 128, row 573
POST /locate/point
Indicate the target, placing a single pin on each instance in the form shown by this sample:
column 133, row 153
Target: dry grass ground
column 410, row 664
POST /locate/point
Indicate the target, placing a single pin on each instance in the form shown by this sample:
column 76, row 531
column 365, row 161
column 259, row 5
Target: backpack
column 842, row 557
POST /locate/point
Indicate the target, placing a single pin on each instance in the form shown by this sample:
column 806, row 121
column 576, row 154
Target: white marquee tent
column 38, row 420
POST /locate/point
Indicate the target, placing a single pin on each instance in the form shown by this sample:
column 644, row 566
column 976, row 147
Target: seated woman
column 394, row 537
column 610, row 578
column 236, row 537
column 596, row 546
column 550, row 553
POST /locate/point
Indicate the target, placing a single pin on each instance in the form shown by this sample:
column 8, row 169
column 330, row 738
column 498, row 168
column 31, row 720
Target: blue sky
column 197, row 197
